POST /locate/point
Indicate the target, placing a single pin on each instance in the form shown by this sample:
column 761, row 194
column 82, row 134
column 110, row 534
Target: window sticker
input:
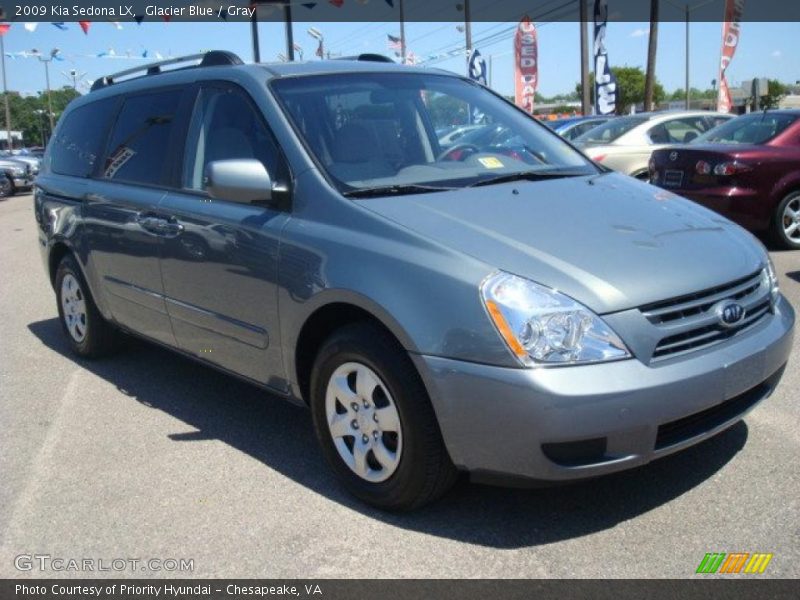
column 490, row 162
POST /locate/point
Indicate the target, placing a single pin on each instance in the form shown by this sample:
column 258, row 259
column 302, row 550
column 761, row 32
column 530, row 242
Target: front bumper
column 22, row 182
column 598, row 419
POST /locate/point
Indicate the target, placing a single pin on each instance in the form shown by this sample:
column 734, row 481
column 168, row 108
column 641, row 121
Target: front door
column 220, row 272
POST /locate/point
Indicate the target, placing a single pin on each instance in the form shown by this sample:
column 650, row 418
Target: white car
column 625, row 144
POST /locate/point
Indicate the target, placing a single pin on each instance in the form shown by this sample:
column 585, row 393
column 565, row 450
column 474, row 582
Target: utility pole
column 688, row 93
column 46, row 61
column 467, row 32
column 585, row 91
column 652, row 45
column 9, row 143
column 287, row 17
column 402, row 33
column 254, row 34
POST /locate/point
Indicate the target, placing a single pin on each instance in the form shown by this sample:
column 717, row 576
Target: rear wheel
column 786, row 224
column 375, row 422
column 88, row 333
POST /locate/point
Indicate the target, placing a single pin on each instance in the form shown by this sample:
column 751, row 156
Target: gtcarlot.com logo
column 735, row 562
column 47, row 562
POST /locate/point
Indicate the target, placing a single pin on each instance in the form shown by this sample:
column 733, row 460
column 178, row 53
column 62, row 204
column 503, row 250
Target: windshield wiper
column 527, row 176
column 394, row 190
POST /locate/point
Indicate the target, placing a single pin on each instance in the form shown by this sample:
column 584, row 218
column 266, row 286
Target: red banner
column 731, row 30
column 526, row 65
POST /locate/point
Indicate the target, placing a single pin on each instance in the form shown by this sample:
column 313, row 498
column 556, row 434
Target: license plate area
column 673, row 178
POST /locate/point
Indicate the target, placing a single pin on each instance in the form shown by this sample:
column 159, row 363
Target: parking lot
column 149, row 455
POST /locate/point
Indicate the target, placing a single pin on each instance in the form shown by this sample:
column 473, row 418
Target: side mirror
column 243, row 180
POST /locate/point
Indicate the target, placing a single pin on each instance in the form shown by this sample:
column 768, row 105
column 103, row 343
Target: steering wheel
column 472, row 148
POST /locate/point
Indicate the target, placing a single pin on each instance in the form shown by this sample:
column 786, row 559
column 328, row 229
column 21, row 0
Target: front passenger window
column 224, row 126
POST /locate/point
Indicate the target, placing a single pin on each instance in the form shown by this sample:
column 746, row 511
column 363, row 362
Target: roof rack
column 368, row 57
column 213, row 58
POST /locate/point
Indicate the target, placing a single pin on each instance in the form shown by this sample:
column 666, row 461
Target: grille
column 689, row 323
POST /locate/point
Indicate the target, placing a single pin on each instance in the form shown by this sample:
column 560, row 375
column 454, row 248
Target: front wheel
column 786, row 224
column 375, row 422
column 6, row 187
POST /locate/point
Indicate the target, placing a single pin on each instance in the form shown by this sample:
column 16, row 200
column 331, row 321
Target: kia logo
column 673, row 156
column 729, row 313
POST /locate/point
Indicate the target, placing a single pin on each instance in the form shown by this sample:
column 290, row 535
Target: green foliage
column 630, row 88
column 777, row 91
column 25, row 118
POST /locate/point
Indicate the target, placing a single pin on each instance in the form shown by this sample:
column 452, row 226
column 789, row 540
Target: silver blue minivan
column 503, row 307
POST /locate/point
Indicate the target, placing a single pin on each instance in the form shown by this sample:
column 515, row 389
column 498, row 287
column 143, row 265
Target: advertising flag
column 731, row 30
column 477, row 67
column 526, row 65
column 605, row 84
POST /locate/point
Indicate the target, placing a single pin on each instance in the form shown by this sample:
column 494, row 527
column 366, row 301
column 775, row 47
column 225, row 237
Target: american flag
column 394, row 42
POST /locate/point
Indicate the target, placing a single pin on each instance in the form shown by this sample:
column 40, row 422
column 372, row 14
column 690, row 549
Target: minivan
column 514, row 311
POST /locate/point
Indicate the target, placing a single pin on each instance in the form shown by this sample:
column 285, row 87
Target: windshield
column 748, row 129
column 374, row 130
column 611, row 131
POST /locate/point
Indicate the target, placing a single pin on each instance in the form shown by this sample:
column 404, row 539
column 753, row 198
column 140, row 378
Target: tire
column 786, row 222
column 405, row 464
column 6, row 187
column 88, row 333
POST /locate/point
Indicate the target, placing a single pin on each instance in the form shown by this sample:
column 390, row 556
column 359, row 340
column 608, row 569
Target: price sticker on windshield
column 490, row 162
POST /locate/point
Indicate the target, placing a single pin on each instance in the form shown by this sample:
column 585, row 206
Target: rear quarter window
column 80, row 138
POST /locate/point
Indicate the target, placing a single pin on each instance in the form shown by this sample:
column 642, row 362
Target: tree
column 35, row 126
column 777, row 91
column 650, row 76
column 630, row 88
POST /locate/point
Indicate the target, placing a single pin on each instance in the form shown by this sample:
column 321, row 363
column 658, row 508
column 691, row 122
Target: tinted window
column 80, row 138
column 611, row 130
column 749, row 129
column 678, row 131
column 225, row 125
column 138, row 148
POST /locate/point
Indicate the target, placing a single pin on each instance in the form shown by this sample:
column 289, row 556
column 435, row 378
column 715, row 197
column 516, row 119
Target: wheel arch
column 322, row 322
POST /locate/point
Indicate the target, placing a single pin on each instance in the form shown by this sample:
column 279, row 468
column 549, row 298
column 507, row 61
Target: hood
column 608, row 241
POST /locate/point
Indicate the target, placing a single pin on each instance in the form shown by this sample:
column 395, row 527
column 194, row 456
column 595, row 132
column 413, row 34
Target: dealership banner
column 605, row 84
column 731, row 30
column 526, row 65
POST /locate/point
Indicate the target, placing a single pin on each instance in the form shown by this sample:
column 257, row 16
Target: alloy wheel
column 791, row 220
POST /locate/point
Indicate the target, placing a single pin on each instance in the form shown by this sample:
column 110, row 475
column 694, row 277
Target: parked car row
column 17, row 171
column 746, row 168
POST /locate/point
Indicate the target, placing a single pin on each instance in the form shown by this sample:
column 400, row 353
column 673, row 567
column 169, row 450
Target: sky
column 765, row 49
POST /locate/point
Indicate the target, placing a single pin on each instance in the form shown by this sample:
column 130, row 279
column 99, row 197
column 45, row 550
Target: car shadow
column 279, row 434
column 794, row 275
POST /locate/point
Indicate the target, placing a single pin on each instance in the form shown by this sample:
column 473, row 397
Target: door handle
column 159, row 225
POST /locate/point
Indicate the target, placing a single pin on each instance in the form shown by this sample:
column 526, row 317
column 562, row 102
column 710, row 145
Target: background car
column 450, row 135
column 747, row 169
column 14, row 176
column 573, row 127
column 626, row 143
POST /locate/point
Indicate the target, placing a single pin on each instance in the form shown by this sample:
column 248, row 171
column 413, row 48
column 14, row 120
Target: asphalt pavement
column 148, row 455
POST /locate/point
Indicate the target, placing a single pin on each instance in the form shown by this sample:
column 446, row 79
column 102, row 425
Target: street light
column 46, row 60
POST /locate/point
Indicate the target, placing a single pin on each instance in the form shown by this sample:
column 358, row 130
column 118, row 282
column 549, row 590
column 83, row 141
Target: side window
column 677, row 131
column 225, row 125
column 80, row 138
column 138, row 148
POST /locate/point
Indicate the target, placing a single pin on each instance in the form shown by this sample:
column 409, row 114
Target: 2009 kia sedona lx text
column 511, row 309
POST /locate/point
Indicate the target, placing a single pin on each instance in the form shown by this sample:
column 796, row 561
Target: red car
column 747, row 169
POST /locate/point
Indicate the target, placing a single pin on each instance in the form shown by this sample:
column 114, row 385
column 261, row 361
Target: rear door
column 220, row 272
column 121, row 210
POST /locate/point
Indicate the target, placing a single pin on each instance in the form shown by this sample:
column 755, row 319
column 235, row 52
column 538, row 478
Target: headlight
column 771, row 278
column 544, row 327
column 18, row 172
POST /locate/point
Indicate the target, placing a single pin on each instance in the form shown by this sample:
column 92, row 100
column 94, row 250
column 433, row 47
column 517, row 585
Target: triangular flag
column 390, row 3
column 31, row 27
column 337, row 3
column 85, row 26
column 4, row 27
column 60, row 25
column 116, row 24
column 138, row 19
